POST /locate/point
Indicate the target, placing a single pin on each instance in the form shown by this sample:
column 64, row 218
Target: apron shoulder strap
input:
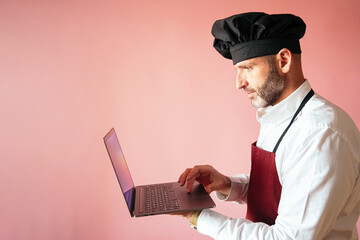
column 306, row 99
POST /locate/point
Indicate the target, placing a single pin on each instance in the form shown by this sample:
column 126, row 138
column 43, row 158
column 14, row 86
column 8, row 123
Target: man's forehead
column 251, row 61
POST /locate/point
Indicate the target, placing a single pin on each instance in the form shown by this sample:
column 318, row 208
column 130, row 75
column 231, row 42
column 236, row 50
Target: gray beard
column 272, row 89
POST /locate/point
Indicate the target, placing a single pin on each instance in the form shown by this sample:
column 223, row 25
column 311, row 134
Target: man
column 304, row 181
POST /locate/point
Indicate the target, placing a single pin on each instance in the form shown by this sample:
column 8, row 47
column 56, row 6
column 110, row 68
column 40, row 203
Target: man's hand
column 208, row 176
column 186, row 215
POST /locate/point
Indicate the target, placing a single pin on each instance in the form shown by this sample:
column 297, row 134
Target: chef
column 304, row 181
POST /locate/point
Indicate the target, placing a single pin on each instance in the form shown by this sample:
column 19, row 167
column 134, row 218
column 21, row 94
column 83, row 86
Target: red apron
column 264, row 190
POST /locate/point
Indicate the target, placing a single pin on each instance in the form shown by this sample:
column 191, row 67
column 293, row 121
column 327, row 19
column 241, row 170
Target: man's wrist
column 227, row 186
column 194, row 218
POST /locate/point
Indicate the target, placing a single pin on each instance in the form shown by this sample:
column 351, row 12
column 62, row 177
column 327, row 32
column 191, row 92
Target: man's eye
column 248, row 68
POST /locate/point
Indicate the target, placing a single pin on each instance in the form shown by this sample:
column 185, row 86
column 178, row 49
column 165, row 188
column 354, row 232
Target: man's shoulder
column 321, row 113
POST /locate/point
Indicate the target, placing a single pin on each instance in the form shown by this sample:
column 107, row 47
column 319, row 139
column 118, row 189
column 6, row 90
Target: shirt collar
column 284, row 109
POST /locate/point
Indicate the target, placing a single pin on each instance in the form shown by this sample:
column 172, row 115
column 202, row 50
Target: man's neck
column 290, row 88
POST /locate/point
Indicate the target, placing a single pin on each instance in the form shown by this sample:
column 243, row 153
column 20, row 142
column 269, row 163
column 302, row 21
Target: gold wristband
column 194, row 218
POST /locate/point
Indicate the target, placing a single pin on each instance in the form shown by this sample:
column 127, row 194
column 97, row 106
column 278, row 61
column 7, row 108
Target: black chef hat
column 249, row 35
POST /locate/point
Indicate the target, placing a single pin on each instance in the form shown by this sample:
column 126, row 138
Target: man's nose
column 240, row 80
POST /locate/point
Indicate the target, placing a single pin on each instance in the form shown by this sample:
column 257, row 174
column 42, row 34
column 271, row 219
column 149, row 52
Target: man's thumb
column 208, row 188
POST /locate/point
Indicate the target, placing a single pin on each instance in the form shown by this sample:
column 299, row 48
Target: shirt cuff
column 238, row 190
column 209, row 222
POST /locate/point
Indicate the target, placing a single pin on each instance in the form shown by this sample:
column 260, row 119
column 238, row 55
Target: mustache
column 250, row 89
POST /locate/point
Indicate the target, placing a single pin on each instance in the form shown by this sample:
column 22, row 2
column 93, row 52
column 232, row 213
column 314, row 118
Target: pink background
column 71, row 70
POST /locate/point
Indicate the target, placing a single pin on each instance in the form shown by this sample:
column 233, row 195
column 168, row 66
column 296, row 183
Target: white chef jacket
column 318, row 165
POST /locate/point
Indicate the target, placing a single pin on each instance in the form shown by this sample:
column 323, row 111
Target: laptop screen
column 118, row 161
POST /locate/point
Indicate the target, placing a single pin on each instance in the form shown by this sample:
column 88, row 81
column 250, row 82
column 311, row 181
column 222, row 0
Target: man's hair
column 270, row 59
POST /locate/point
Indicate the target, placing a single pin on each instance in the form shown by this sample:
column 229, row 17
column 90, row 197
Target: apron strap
column 306, row 99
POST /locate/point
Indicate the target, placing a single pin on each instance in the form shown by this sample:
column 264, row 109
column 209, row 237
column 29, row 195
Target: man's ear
column 284, row 60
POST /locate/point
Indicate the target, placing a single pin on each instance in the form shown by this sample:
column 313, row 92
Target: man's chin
column 259, row 102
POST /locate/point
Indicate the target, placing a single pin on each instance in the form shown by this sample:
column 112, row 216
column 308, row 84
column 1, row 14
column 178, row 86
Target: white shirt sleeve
column 238, row 190
column 320, row 185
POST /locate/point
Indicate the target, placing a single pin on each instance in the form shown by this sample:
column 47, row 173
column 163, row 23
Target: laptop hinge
column 133, row 194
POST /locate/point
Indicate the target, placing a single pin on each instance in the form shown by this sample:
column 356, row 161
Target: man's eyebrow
column 246, row 64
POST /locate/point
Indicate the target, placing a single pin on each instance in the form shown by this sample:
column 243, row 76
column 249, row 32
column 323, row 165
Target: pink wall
column 71, row 70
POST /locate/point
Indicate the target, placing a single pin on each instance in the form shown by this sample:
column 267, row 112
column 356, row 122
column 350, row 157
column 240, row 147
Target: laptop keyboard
column 158, row 198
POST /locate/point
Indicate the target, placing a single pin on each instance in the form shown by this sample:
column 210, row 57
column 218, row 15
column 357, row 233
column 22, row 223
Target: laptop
column 153, row 199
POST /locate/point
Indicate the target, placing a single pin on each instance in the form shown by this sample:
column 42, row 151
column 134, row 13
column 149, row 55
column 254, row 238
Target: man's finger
column 183, row 176
column 191, row 177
